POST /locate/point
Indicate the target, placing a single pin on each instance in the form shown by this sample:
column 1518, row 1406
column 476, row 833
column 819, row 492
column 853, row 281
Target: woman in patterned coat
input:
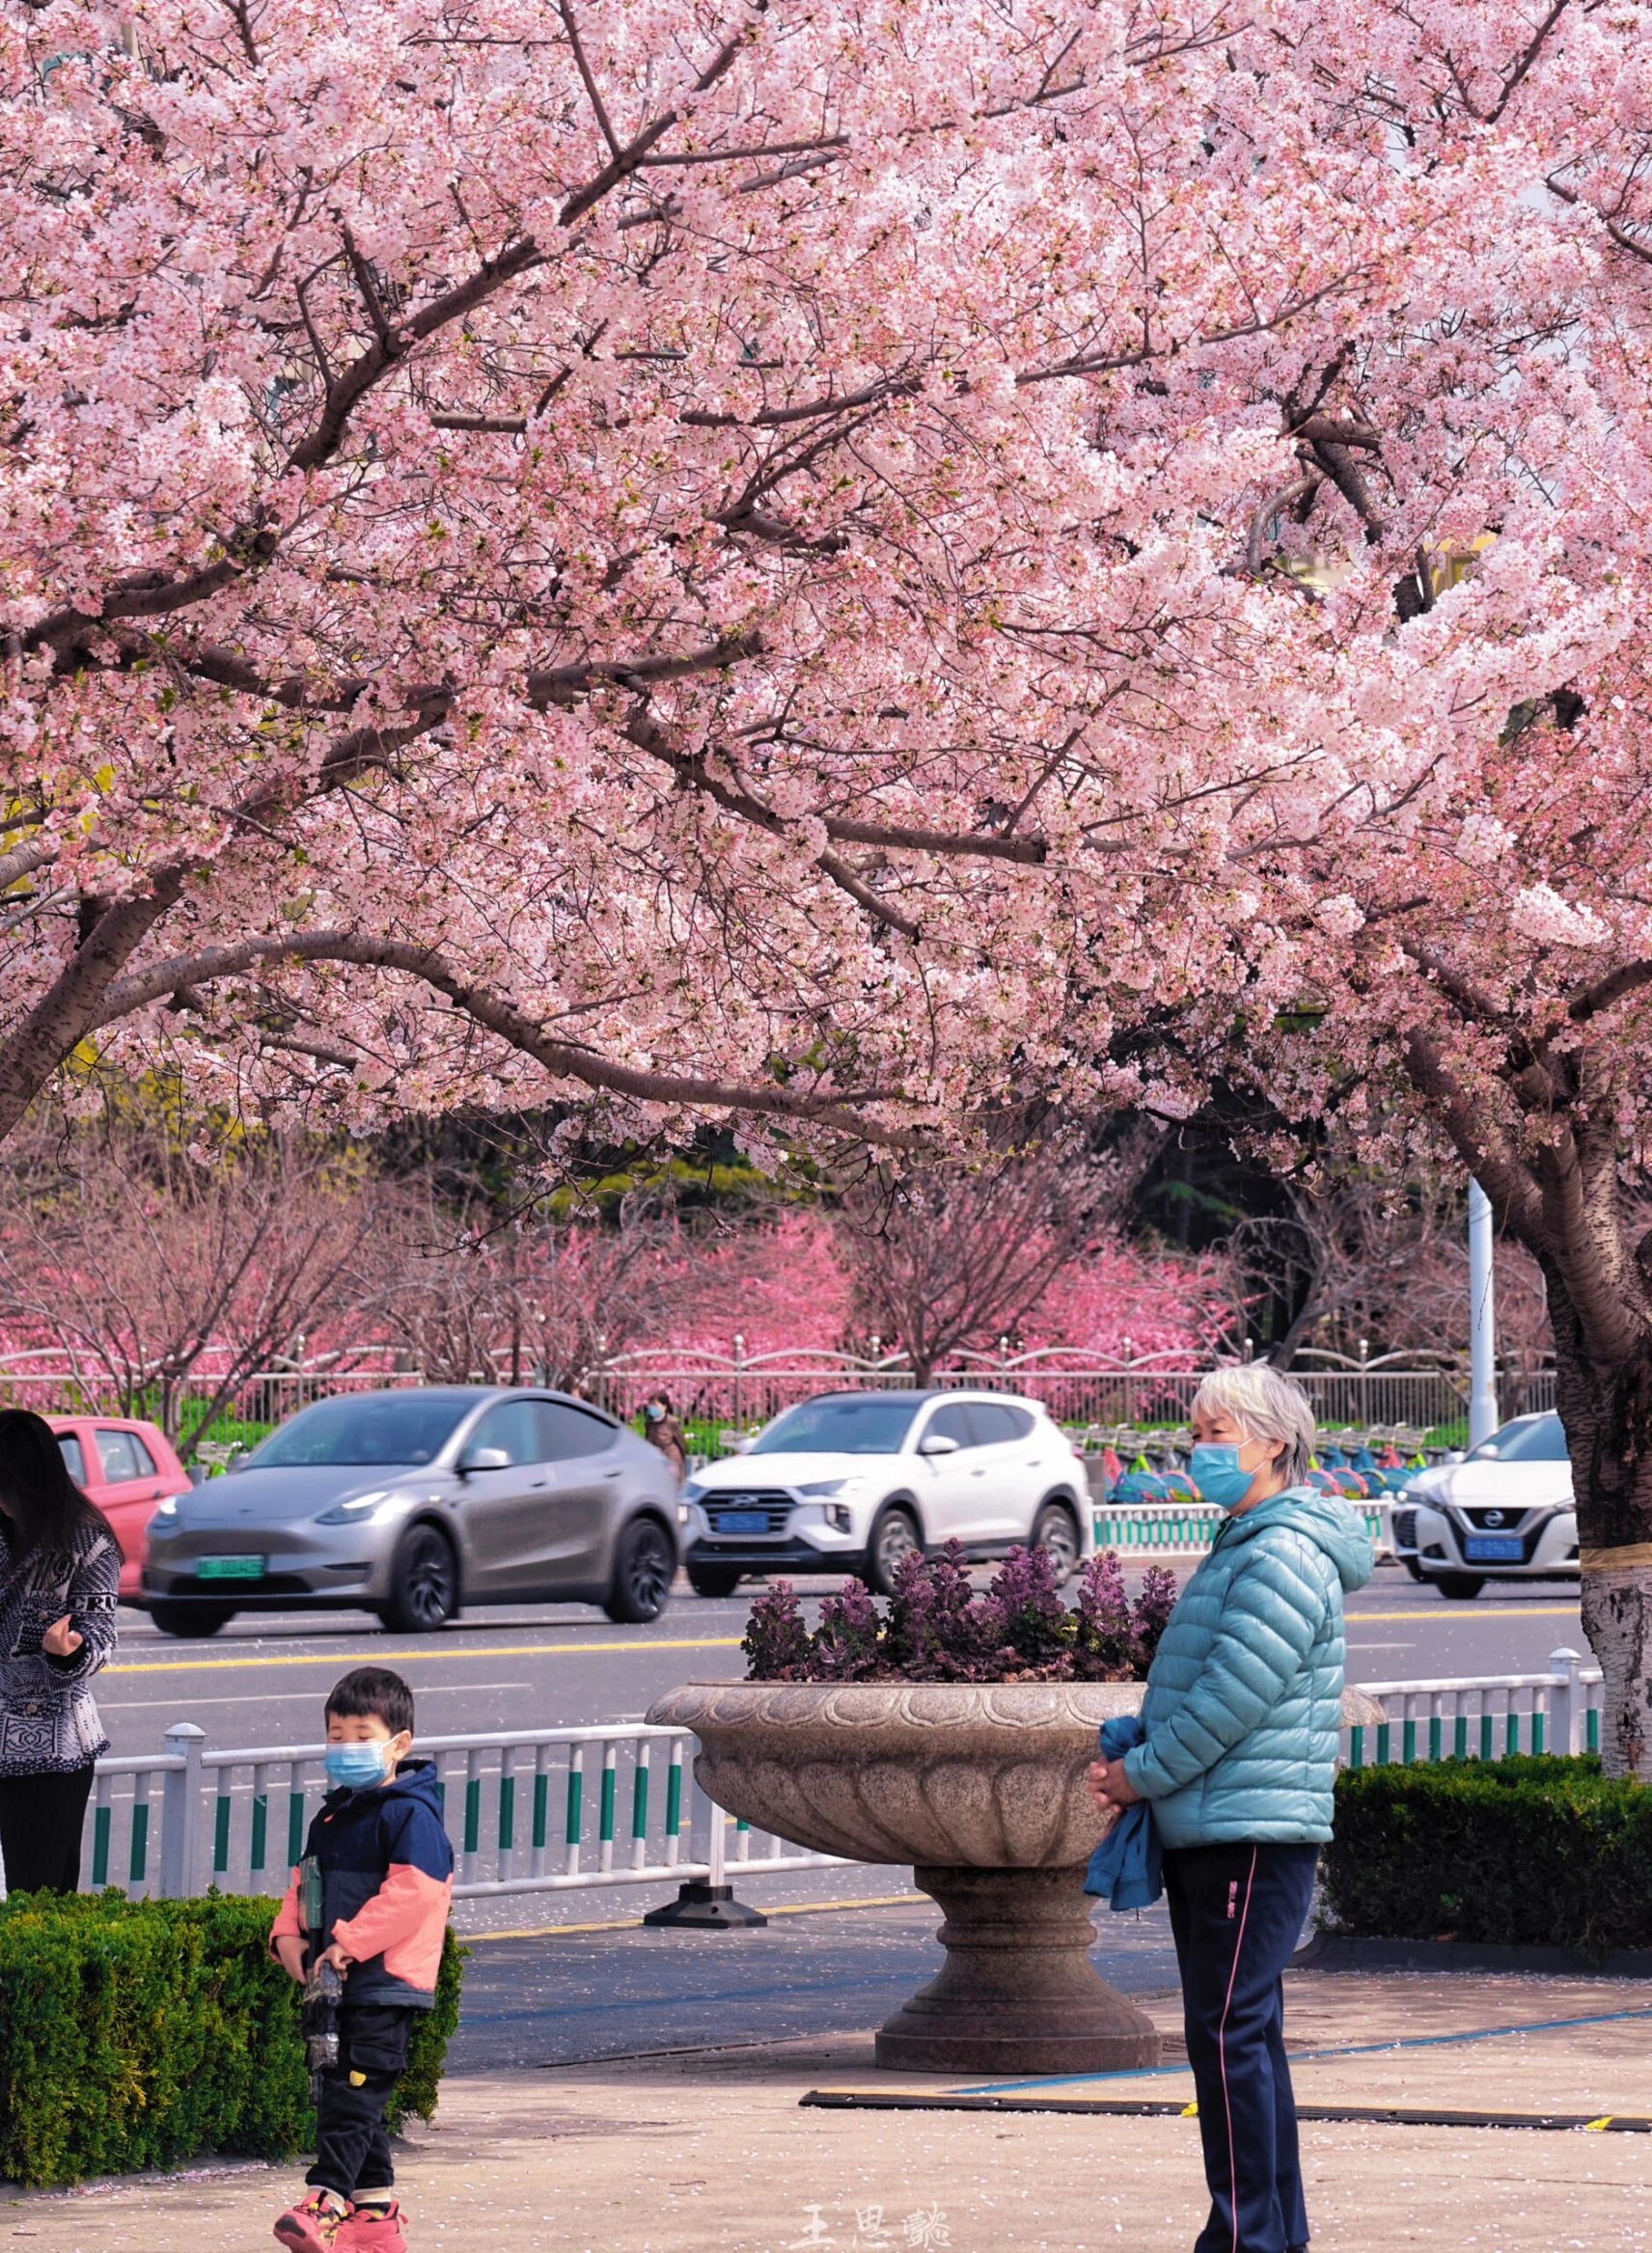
column 60, row 1577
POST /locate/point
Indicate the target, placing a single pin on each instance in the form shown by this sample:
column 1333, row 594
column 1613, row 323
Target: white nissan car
column 1505, row 1512
column 853, row 1482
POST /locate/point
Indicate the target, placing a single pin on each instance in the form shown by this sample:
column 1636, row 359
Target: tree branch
column 503, row 1017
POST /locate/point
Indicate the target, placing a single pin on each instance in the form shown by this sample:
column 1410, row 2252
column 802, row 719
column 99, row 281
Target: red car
column 126, row 1468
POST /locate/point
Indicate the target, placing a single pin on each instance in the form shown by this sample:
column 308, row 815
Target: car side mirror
column 937, row 1443
column 483, row 1459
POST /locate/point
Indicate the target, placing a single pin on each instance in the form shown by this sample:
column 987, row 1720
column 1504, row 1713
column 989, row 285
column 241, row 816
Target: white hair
column 1265, row 1405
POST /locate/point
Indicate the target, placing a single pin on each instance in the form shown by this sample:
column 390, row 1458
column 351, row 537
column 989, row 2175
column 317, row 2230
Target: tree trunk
column 1606, row 1410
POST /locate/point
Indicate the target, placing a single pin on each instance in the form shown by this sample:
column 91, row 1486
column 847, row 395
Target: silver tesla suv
column 414, row 1502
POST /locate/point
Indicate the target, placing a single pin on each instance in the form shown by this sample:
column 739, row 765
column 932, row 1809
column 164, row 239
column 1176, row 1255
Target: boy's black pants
column 1237, row 1913
column 353, row 2149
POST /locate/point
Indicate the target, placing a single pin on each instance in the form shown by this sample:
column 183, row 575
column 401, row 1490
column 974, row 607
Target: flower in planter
column 777, row 1645
column 847, row 1639
column 938, row 1630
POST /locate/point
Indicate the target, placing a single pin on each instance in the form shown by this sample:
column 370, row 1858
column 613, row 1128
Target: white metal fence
column 556, row 1810
column 1484, row 1715
column 528, row 1810
column 738, row 1390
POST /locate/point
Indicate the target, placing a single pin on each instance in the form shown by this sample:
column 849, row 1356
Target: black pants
column 353, row 2148
column 40, row 1819
column 1237, row 1913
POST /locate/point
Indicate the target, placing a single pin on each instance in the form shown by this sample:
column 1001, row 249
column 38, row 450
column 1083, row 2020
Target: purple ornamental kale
column 1106, row 1642
column 777, row 1645
column 846, row 1642
column 1037, row 1627
column 1153, row 1608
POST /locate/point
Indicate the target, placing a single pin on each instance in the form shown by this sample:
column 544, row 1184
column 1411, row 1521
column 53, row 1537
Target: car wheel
column 644, row 1567
column 189, row 1619
column 1054, row 1532
column 1462, row 1588
column 895, row 1536
column 424, row 1583
column 713, row 1579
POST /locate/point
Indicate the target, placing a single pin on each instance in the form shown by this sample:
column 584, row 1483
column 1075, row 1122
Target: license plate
column 743, row 1521
column 230, row 1568
column 1494, row 1549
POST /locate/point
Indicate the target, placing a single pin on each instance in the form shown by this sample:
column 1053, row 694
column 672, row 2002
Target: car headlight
column 357, row 1510
column 829, row 1486
column 839, row 1517
column 165, row 1513
column 692, row 1490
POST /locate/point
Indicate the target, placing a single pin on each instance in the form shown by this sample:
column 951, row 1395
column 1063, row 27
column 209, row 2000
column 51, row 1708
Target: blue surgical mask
column 356, row 1768
column 655, row 1410
column 1218, row 1475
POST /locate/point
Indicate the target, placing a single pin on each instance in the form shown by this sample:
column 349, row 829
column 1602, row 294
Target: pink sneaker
column 313, row 2225
column 370, row 2228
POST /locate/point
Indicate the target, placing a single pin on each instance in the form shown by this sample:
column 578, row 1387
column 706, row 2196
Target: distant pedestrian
column 60, row 1580
column 660, row 1425
column 1237, row 1760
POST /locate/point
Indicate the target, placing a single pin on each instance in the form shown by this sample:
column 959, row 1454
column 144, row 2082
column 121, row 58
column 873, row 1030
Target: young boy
column 387, row 1878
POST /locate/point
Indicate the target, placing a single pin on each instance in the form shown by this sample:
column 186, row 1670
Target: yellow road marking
column 380, row 1656
column 1189, row 2111
column 631, row 1924
column 1598, row 2127
column 1468, row 1611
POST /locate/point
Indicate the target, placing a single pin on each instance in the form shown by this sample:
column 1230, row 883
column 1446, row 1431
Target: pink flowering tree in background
column 1116, row 1297
column 777, row 1285
column 839, row 568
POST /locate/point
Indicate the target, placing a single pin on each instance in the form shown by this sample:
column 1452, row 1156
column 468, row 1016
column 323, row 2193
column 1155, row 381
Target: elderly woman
column 1237, row 1759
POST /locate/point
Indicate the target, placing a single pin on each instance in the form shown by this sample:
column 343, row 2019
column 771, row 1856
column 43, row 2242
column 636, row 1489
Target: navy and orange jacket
column 387, row 1880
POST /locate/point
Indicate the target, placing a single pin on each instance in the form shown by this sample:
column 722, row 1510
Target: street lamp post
column 1483, row 1417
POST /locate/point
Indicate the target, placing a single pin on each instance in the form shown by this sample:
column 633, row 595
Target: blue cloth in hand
column 1128, row 1867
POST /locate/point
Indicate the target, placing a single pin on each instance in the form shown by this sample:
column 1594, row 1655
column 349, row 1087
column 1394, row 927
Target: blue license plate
column 743, row 1521
column 1494, row 1549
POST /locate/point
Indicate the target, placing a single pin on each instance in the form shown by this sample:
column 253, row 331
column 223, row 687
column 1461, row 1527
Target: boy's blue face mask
column 1219, row 1474
column 356, row 1768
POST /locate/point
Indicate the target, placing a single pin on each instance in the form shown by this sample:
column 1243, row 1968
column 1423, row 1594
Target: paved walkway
column 710, row 2150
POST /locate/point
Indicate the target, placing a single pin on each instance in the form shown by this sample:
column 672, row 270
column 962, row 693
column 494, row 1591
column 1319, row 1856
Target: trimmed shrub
column 137, row 2033
column 1542, row 1852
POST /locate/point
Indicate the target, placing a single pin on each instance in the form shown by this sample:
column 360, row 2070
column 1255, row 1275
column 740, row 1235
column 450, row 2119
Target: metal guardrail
column 1181, row 1529
column 1483, row 1717
column 1078, row 1388
column 528, row 1811
column 557, row 1810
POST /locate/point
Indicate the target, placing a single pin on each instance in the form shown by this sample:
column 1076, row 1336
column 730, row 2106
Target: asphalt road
column 263, row 1681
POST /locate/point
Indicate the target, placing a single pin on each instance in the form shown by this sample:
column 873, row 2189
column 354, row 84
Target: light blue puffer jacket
column 1245, row 1696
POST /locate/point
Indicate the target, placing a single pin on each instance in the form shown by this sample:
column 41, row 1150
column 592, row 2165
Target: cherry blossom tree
column 171, row 1278
column 840, row 567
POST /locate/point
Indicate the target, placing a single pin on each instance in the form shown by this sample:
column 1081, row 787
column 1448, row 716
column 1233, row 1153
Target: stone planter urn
column 980, row 1787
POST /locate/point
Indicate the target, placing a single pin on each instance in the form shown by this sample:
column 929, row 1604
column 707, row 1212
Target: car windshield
column 370, row 1427
column 1530, row 1439
column 870, row 1423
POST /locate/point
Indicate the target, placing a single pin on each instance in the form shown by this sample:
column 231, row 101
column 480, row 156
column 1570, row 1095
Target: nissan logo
column 1494, row 1517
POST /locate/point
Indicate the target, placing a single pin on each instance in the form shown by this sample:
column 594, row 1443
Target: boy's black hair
column 372, row 1693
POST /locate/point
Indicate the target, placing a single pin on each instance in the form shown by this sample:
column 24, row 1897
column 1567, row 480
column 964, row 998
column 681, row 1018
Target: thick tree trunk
column 1608, row 1415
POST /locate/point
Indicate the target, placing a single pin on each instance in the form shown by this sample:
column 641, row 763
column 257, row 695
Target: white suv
column 851, row 1482
column 1505, row 1512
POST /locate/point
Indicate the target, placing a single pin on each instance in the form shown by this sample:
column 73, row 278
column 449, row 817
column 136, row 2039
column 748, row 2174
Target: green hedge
column 136, row 2033
column 1529, row 1853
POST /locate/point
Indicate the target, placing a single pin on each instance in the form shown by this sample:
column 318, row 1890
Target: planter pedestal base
column 1018, row 1993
